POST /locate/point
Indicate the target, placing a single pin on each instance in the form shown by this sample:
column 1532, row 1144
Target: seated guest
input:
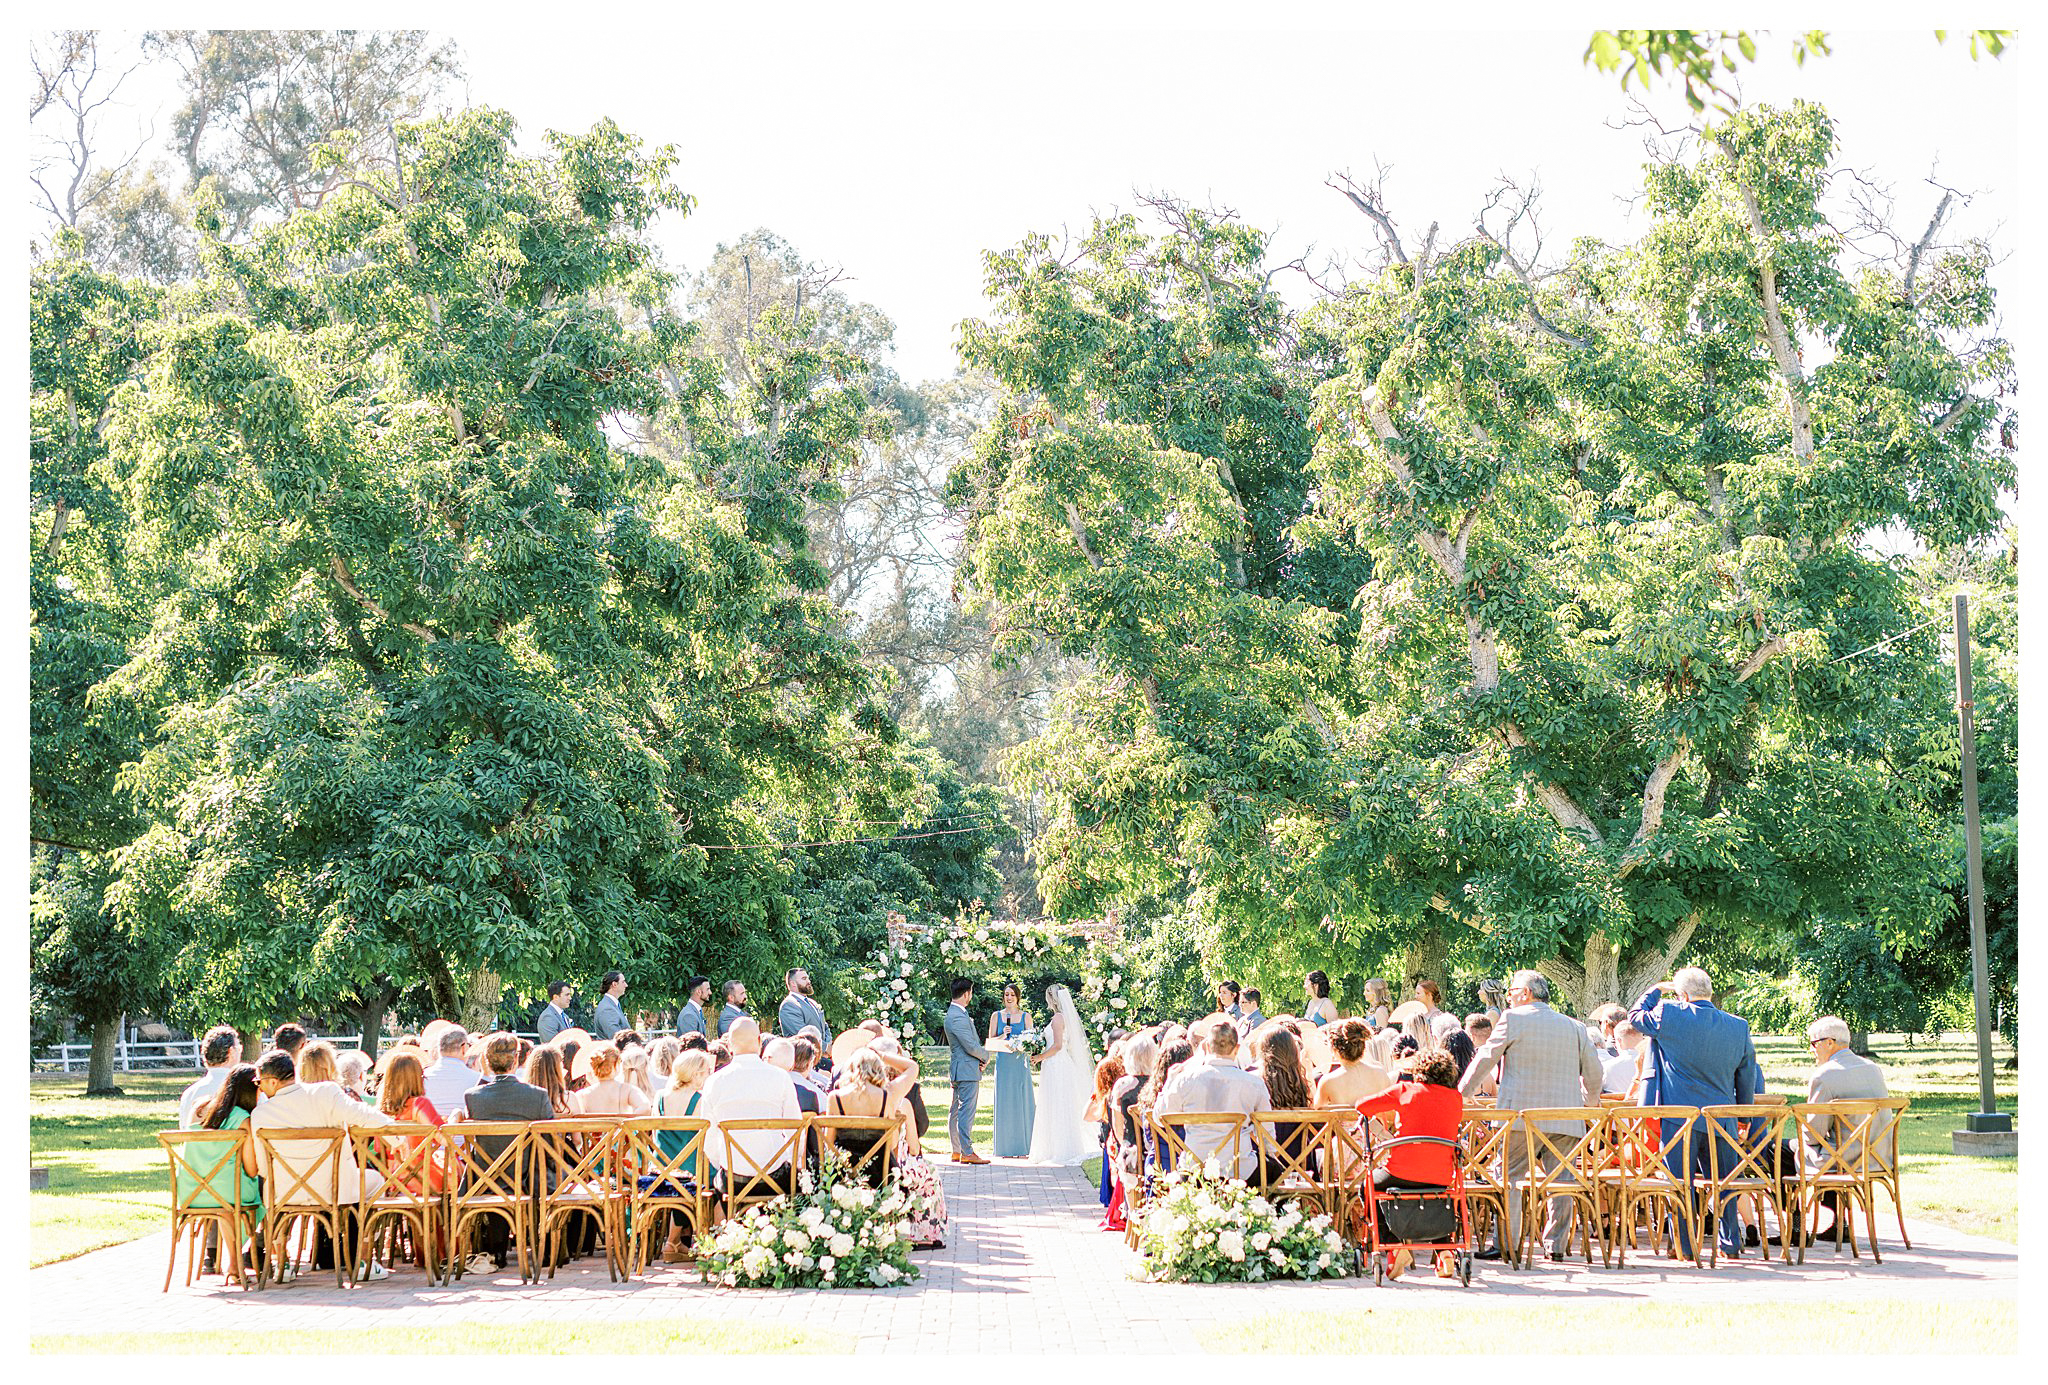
column 721, row 1054
column 1839, row 1074
column 289, row 1038
column 1617, row 1061
column 317, row 1063
column 503, row 1098
column 890, row 1051
column 204, row 1178
column 1355, row 1077
column 1458, row 1044
column 747, row 1088
column 1424, row 1106
column 1127, row 1143
column 1277, row 1062
column 607, row 1093
column 693, row 1042
column 781, row 1053
column 451, row 1075
column 288, row 1104
column 403, row 1098
column 571, row 1046
column 353, row 1068
column 867, row 1089
column 633, row 1063
column 661, row 1062
column 525, row 1050
column 544, row 1069
column 681, row 1098
column 1215, row 1082
column 1252, row 1015
column 219, row 1051
column 1479, row 1028
column 1108, row 1073
column 806, row 1069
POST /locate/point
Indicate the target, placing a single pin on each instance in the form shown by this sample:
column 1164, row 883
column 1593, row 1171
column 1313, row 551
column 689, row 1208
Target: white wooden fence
column 176, row 1055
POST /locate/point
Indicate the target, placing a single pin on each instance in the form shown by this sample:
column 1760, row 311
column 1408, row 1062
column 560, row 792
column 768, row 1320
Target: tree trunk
column 1428, row 958
column 481, row 992
column 371, row 1021
column 252, row 1044
column 99, row 1067
column 1859, row 1042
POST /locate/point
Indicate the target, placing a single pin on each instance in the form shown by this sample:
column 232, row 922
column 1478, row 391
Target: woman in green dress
column 204, row 1178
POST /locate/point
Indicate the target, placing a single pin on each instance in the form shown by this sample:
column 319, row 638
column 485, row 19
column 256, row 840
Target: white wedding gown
column 1061, row 1132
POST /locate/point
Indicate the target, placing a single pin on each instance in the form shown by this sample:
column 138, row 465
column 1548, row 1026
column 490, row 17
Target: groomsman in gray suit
column 691, row 1020
column 969, row 1058
column 610, row 1016
column 735, row 1006
column 554, row 1016
column 798, row 1009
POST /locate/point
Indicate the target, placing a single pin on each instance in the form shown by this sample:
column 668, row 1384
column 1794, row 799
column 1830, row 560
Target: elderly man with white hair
column 747, row 1088
column 1703, row 1056
column 1840, row 1075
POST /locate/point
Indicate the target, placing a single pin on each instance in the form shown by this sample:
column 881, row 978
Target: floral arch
column 904, row 979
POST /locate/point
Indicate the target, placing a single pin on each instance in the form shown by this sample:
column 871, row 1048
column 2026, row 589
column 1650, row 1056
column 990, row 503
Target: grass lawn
column 1466, row 1323
column 108, row 1178
column 471, row 1339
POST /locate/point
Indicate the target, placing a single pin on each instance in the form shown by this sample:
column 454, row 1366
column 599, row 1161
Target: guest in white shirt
column 451, row 1077
column 1214, row 1081
column 748, row 1089
column 289, row 1104
column 220, row 1050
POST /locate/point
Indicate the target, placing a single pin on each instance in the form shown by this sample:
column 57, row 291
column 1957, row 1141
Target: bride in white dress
column 1061, row 1133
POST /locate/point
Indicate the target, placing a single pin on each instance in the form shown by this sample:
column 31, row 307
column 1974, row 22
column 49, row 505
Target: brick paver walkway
column 1025, row 1271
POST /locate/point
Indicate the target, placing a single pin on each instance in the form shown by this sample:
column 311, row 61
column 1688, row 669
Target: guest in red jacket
column 1424, row 1109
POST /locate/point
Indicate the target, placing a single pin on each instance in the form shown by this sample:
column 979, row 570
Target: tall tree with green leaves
column 460, row 692
column 1526, row 641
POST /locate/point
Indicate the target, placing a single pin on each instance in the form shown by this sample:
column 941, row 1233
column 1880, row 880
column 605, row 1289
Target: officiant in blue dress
column 1016, row 1107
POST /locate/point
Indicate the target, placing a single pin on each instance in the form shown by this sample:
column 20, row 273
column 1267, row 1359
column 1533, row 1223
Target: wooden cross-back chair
column 1753, row 1167
column 1306, row 1167
column 409, row 1159
column 1838, row 1162
column 211, row 1194
column 483, row 1185
column 1560, row 1163
column 1883, row 1167
column 1631, row 1172
column 578, row 1177
column 1139, row 1191
column 873, row 1166
column 1233, row 1139
column 302, row 1180
column 750, row 1179
column 1484, row 1138
column 663, row 1184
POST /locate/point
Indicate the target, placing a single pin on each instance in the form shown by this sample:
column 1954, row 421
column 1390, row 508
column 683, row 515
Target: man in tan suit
column 1545, row 1060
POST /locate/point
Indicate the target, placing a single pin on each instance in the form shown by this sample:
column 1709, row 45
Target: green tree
column 460, row 693
column 1522, row 644
column 1703, row 59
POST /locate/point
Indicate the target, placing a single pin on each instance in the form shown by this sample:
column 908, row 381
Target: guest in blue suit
column 1703, row 1056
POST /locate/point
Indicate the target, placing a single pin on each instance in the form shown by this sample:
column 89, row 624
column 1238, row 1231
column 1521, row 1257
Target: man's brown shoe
column 972, row 1159
column 956, row 1156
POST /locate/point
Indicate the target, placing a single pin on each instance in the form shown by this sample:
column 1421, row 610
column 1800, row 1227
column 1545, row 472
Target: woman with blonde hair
column 633, row 1063
column 316, row 1064
column 661, row 1062
column 685, row 1089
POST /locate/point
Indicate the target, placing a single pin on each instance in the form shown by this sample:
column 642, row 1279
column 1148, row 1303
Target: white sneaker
column 480, row 1263
column 283, row 1274
column 374, row 1271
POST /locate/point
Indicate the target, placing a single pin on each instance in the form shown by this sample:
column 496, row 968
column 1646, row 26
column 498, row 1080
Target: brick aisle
column 1025, row 1271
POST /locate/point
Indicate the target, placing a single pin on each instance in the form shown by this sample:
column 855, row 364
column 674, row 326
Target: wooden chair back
column 486, row 1182
column 1632, row 1166
column 1232, row 1131
column 210, row 1193
column 578, row 1175
column 1838, row 1139
column 663, row 1182
column 875, row 1165
column 407, row 1157
column 302, row 1187
column 1299, row 1155
column 765, row 1173
column 1752, row 1165
column 1562, row 1163
column 1485, row 1137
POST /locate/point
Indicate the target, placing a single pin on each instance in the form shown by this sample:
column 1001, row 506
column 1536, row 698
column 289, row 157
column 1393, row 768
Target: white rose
column 1213, row 1167
column 1231, row 1243
column 840, row 1244
column 1278, row 1258
column 825, row 1263
column 796, row 1240
column 1261, row 1240
column 898, row 984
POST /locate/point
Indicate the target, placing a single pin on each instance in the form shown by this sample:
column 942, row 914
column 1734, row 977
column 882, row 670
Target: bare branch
column 1372, row 202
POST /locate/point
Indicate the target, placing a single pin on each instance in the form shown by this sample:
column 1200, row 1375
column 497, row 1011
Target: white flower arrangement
column 1205, row 1228
column 834, row 1234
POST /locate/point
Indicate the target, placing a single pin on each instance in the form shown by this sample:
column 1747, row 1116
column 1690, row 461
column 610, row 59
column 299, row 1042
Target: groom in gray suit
column 969, row 1058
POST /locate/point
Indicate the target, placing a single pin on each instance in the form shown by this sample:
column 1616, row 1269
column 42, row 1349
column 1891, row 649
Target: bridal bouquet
column 1030, row 1043
column 1202, row 1227
column 836, row 1233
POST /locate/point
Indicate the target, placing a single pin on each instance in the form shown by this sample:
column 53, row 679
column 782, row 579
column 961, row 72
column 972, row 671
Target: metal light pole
column 1988, row 1119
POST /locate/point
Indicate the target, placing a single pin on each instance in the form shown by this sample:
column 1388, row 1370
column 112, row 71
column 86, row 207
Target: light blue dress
column 1016, row 1106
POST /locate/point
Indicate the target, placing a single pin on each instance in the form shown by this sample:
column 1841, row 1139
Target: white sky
column 901, row 154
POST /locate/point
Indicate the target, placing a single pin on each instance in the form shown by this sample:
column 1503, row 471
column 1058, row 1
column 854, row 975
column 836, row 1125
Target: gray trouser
column 1559, row 1222
column 960, row 1121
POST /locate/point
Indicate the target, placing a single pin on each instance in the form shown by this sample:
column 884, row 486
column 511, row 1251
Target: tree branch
column 340, row 572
